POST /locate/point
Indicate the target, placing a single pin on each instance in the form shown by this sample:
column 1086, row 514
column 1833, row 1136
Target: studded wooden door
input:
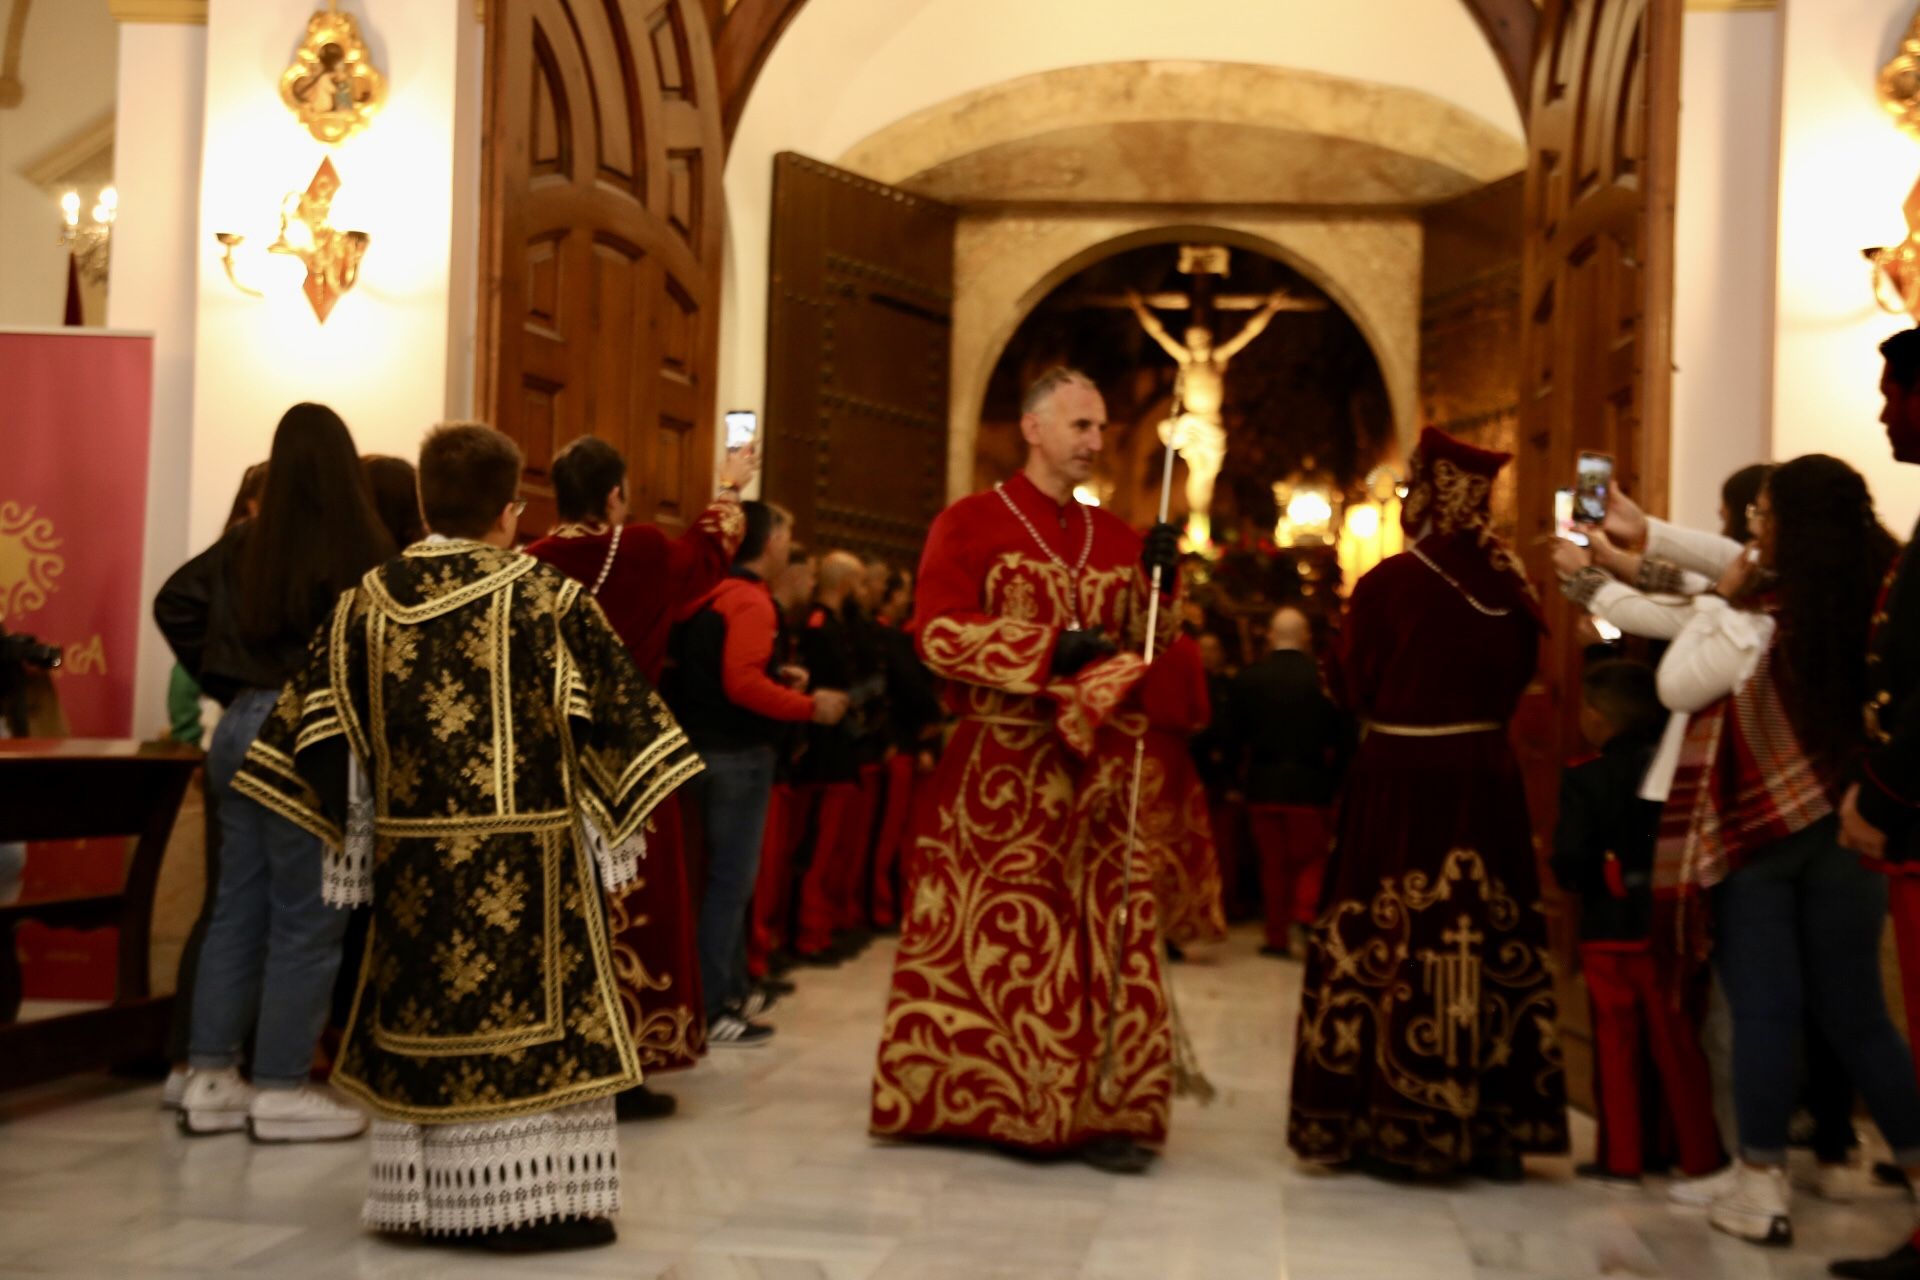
column 859, row 343
column 1596, row 337
column 602, row 234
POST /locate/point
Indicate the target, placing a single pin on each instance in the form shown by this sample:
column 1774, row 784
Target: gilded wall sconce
column 331, row 257
column 333, row 87
column 1896, row 268
column 1900, row 82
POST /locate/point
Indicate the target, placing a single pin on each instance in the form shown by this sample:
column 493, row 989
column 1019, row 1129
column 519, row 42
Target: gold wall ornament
column 1896, row 268
column 332, row 86
column 332, row 257
column 1900, row 81
column 30, row 560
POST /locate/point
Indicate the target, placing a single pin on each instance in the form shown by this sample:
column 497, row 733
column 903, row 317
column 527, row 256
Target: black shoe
column 549, row 1237
column 1278, row 953
column 828, row 958
column 758, row 1003
column 1498, row 1168
column 730, row 1030
column 642, row 1103
column 1383, row 1170
column 1117, row 1155
column 781, row 962
column 1902, row 1264
column 1175, row 954
column 1597, row 1172
column 778, row 986
column 1889, row 1174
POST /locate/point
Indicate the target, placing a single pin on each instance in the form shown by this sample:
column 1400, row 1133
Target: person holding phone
column 642, row 578
column 1770, row 667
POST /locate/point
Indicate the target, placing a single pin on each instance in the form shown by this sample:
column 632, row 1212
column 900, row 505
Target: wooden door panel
column 859, row 344
column 600, row 312
column 1596, row 296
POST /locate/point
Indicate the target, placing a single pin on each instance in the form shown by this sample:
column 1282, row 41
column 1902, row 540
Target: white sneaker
column 1698, row 1193
column 305, row 1114
column 214, row 1102
column 1756, row 1208
column 174, row 1089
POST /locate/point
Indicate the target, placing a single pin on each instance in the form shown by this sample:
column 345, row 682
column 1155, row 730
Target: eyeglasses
column 1757, row 515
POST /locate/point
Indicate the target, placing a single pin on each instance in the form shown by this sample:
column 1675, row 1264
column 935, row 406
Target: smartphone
column 1607, row 630
column 1563, row 526
column 1592, row 485
column 743, row 426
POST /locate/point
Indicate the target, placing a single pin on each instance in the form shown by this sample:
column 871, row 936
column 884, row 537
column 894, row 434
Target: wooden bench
column 71, row 789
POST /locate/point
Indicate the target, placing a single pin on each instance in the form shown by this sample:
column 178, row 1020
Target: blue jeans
column 1797, row 930
column 733, row 794
column 272, row 946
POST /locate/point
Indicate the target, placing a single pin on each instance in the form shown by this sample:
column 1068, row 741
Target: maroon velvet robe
column 651, row 579
column 1427, row 1020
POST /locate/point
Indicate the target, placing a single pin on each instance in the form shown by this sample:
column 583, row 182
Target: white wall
column 848, row 67
column 162, row 67
column 1723, row 321
column 1845, row 171
column 68, row 73
column 382, row 357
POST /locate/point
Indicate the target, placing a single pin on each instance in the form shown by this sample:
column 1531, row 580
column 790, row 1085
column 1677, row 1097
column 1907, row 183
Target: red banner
column 73, row 500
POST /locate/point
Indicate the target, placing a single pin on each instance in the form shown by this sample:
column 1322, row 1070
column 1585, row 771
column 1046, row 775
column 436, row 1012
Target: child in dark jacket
column 1603, row 854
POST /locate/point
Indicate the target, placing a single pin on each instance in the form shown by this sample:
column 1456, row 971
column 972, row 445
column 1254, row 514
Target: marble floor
column 767, row 1174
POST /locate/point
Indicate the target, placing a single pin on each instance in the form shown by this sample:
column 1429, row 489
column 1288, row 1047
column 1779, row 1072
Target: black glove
column 1076, row 649
column 1161, row 550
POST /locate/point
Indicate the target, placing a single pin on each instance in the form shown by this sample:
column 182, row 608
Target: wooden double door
column 602, row 235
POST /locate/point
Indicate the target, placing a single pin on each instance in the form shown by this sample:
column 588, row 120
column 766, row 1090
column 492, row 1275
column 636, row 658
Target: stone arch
column 1110, row 131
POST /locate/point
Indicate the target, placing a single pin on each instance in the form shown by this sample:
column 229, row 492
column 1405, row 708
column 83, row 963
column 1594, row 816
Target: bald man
column 1293, row 744
column 827, row 777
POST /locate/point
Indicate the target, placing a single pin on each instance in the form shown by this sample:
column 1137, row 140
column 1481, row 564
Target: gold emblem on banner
column 333, row 86
column 30, row 561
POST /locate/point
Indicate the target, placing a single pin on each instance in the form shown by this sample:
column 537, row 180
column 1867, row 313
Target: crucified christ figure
column 1200, row 392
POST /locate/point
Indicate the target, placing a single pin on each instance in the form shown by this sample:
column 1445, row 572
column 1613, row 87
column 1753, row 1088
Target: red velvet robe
column 1175, row 824
column 1004, row 986
column 654, row 954
column 1427, row 1031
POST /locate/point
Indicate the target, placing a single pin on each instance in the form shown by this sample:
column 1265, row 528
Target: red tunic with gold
column 1176, row 826
column 1008, row 1021
column 648, row 579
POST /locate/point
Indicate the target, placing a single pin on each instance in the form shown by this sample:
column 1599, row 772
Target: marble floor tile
column 768, row 1173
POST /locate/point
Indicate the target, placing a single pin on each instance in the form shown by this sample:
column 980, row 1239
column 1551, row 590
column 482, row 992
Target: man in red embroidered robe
column 641, row 579
column 1009, row 1020
column 1427, row 1043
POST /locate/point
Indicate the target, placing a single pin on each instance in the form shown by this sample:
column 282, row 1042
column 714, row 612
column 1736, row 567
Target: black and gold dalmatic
column 506, row 743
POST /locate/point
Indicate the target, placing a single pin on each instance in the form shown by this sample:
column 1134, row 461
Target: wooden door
column 602, row 234
column 1596, row 341
column 858, row 349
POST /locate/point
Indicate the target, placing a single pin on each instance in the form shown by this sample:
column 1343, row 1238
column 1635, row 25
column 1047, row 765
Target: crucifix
column 1196, row 430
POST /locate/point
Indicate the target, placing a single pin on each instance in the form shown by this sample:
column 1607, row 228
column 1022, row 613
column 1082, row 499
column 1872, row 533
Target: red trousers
column 1293, row 841
column 891, row 835
column 1903, row 900
column 831, row 805
column 773, row 888
column 1629, row 998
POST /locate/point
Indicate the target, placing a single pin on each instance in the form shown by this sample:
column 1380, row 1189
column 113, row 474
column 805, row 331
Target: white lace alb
column 456, row 1179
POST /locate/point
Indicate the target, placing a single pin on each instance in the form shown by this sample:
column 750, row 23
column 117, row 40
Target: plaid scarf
column 1743, row 782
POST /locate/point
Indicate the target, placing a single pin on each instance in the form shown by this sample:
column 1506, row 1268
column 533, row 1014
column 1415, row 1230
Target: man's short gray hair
column 1052, row 380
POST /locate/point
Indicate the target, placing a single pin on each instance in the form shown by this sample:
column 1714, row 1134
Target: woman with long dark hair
column 1772, row 669
column 395, row 487
column 239, row 618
